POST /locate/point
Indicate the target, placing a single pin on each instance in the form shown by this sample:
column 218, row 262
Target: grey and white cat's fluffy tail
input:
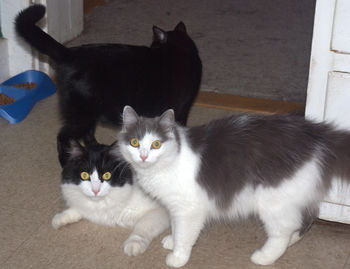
column 26, row 27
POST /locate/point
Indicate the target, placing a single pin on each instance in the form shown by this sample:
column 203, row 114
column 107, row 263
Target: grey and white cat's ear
column 167, row 119
column 159, row 35
column 130, row 117
column 180, row 27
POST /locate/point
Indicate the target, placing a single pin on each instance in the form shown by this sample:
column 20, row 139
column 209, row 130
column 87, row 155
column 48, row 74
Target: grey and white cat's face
column 145, row 142
column 95, row 170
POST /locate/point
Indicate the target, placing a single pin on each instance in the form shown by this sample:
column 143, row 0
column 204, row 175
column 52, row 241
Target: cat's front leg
column 67, row 216
column 168, row 241
column 185, row 233
column 138, row 205
column 152, row 224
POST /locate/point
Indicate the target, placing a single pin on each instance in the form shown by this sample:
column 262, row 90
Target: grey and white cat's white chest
column 105, row 210
column 165, row 181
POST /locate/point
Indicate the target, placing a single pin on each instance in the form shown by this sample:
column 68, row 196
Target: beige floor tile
column 87, row 245
column 8, row 247
column 73, row 246
column 17, row 226
column 347, row 264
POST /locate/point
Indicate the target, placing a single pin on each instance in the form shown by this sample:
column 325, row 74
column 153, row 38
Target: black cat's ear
column 167, row 120
column 130, row 117
column 180, row 27
column 75, row 150
column 159, row 35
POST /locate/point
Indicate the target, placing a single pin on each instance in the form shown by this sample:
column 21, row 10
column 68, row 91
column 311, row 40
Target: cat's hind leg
column 308, row 218
column 152, row 224
column 280, row 229
column 67, row 216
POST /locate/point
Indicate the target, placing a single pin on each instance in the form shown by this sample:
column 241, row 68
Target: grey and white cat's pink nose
column 143, row 154
column 95, row 191
column 143, row 157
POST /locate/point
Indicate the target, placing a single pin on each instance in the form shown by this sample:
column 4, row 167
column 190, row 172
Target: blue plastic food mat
column 25, row 98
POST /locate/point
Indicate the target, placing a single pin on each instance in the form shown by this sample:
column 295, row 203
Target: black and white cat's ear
column 130, row 117
column 75, row 150
column 167, row 120
column 180, row 27
column 159, row 35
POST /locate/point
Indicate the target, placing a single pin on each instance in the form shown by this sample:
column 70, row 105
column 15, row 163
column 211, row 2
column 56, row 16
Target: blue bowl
column 25, row 98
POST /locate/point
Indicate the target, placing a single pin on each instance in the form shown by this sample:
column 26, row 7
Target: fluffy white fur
column 170, row 176
column 126, row 206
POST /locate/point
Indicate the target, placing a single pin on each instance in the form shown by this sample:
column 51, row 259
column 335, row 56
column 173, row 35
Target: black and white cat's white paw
column 177, row 259
column 135, row 245
column 65, row 217
column 168, row 242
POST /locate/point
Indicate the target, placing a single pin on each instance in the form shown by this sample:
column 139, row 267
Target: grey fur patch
column 264, row 150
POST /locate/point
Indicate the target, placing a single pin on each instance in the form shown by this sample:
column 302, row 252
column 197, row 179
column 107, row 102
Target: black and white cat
column 277, row 167
column 98, row 80
column 97, row 185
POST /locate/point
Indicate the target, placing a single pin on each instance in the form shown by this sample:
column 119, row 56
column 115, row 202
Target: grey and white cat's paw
column 65, row 217
column 168, row 242
column 128, row 217
column 177, row 259
column 260, row 257
column 135, row 245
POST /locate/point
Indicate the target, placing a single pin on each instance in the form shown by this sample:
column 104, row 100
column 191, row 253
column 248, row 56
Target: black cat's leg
column 89, row 137
column 63, row 145
column 181, row 117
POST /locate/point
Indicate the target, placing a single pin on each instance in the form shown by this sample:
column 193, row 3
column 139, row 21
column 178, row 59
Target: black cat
column 98, row 80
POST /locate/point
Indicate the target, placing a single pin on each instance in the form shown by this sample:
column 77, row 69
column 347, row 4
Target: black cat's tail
column 26, row 28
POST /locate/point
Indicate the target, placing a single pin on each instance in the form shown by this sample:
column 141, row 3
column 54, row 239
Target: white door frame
column 327, row 95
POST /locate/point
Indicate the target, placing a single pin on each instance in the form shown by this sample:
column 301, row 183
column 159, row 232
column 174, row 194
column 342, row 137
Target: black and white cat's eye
column 107, row 176
column 134, row 142
column 156, row 144
column 84, row 175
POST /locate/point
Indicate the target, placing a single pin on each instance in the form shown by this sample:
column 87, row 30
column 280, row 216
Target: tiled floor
column 30, row 197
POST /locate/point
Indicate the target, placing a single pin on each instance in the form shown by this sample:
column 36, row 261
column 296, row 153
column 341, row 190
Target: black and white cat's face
column 145, row 141
column 95, row 169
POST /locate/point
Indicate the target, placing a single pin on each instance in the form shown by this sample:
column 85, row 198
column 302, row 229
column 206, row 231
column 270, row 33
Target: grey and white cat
column 277, row 167
column 97, row 185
